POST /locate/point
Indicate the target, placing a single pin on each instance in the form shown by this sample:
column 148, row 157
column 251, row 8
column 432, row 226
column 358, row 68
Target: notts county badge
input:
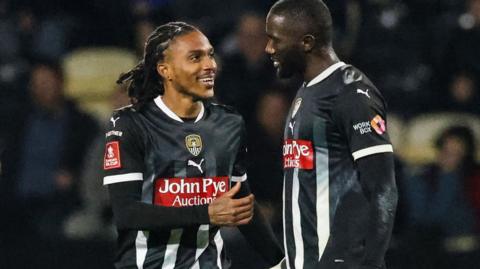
column 296, row 106
column 194, row 144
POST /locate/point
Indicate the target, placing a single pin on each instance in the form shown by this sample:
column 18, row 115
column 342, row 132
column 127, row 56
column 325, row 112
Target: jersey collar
column 159, row 102
column 327, row 72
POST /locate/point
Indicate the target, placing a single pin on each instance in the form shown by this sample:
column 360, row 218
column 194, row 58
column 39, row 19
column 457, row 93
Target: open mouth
column 208, row 81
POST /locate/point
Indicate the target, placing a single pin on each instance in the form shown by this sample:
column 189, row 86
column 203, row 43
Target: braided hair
column 144, row 81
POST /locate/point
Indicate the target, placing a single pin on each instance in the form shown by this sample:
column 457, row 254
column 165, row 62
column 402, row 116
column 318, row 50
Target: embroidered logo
column 193, row 143
column 197, row 165
column 296, row 106
column 378, row 124
column 114, row 121
column 112, row 156
column 365, row 92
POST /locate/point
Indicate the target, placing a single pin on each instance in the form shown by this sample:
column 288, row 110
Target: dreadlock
column 144, row 81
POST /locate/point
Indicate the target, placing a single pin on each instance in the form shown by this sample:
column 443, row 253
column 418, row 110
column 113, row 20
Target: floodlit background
column 59, row 61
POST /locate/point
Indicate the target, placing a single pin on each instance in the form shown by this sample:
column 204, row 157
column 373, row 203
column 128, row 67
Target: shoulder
column 224, row 110
column 226, row 116
column 123, row 117
column 356, row 88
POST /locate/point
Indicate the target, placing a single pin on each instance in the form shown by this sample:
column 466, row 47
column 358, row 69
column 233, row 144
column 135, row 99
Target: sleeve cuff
column 241, row 178
column 122, row 178
column 372, row 150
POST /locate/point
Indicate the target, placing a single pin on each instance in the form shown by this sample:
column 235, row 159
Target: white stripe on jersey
column 296, row 222
column 372, row 150
column 219, row 244
column 287, row 259
column 122, row 178
column 141, row 248
column 202, row 243
column 241, row 178
column 172, row 248
column 323, row 199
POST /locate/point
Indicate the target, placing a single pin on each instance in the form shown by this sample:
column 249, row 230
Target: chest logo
column 365, row 92
column 296, row 106
column 197, row 165
column 193, row 143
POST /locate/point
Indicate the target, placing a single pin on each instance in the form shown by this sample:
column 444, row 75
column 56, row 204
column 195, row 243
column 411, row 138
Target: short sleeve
column 239, row 173
column 360, row 115
column 123, row 156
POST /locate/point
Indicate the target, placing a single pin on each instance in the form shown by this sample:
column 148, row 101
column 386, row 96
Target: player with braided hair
column 175, row 164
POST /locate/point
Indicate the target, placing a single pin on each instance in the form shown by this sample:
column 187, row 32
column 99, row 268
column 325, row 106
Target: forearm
column 378, row 180
column 260, row 235
column 130, row 213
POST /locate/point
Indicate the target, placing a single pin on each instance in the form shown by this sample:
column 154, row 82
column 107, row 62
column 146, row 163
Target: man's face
column 46, row 87
column 191, row 66
column 284, row 46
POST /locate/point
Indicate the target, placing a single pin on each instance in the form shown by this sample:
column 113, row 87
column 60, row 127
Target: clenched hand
column 226, row 211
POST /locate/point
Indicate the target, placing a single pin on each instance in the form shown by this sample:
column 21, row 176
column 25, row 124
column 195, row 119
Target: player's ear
column 163, row 70
column 308, row 42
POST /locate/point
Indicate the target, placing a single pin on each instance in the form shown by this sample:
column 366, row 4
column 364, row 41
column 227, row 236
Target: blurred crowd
column 422, row 54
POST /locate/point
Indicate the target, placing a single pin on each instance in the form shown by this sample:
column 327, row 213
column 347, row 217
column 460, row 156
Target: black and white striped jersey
column 334, row 120
column 180, row 164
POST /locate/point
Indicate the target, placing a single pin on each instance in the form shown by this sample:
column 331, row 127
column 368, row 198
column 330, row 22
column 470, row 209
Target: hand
column 226, row 211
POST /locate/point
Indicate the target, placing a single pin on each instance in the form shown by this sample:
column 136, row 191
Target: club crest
column 194, row 144
column 296, row 106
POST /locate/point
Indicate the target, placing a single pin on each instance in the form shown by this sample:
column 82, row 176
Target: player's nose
column 269, row 48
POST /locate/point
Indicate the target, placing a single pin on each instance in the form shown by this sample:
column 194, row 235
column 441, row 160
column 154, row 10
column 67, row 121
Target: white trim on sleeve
column 372, row 150
column 241, row 178
column 122, row 178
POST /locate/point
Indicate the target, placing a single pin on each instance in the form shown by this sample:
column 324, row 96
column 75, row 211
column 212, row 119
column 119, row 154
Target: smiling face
column 189, row 66
column 285, row 46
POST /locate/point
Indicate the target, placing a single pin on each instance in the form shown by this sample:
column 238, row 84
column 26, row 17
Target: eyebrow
column 201, row 50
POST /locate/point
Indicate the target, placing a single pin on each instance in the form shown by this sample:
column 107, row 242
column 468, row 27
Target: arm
column 259, row 233
column 130, row 213
column 376, row 173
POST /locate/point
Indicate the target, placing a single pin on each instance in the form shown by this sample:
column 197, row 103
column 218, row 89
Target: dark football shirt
column 180, row 164
column 336, row 119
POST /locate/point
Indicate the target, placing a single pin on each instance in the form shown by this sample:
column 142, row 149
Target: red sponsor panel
column 178, row 192
column 111, row 158
column 297, row 154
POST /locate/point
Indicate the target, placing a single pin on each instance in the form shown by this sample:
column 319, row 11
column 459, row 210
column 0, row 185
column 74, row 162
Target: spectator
column 246, row 70
column 42, row 162
column 440, row 202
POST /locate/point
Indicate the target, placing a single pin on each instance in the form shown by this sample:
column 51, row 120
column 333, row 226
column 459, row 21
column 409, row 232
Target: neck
column 316, row 64
column 182, row 105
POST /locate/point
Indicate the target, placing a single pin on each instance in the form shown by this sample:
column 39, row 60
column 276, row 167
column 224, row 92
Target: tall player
column 171, row 158
column 339, row 188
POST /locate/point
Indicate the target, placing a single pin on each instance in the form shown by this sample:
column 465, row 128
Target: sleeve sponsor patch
column 112, row 156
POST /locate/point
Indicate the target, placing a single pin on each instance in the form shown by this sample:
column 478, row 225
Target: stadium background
column 422, row 54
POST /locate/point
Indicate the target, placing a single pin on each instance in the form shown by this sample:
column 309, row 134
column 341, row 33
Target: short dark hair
column 314, row 16
column 465, row 134
column 51, row 65
column 145, row 82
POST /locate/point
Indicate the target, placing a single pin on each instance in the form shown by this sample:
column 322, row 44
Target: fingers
column 233, row 190
column 247, row 200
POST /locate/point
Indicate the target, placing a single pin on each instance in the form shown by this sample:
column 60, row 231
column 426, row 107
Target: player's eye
column 211, row 54
column 194, row 57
